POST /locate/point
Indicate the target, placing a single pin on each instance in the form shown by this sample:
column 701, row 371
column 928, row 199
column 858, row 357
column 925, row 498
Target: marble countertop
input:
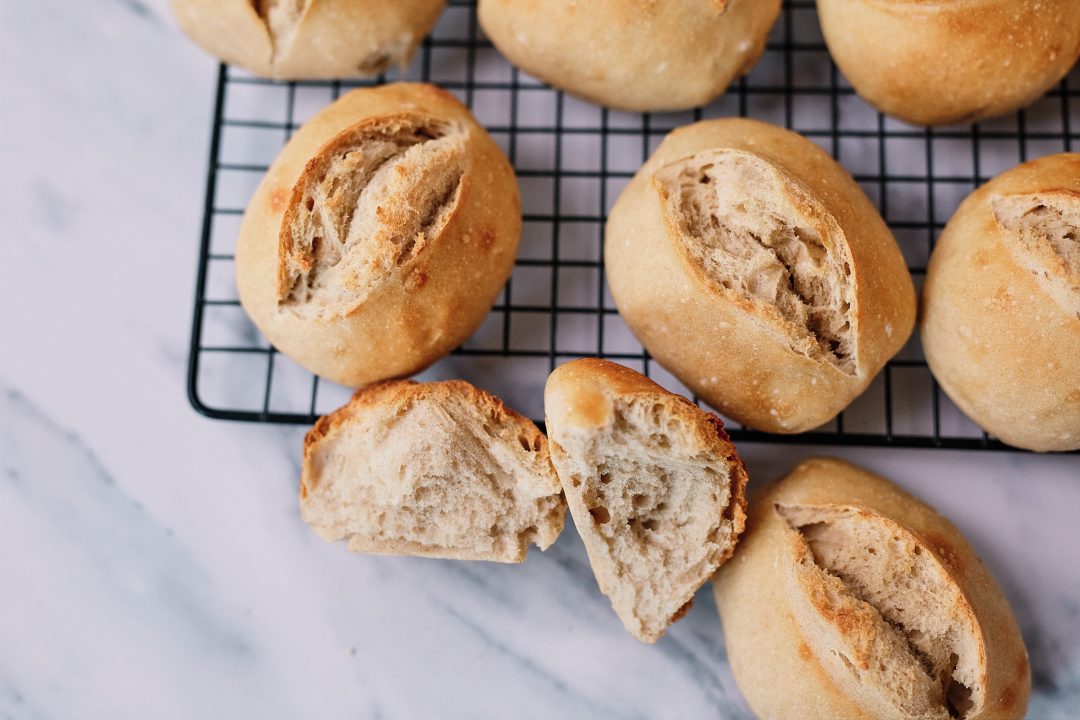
column 153, row 563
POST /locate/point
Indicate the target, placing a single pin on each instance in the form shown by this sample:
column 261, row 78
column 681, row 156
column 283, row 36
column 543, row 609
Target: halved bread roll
column 951, row 61
column 438, row 469
column 654, row 486
column 309, row 39
column 380, row 236
column 1001, row 305
column 753, row 267
column 633, row 54
column 867, row 604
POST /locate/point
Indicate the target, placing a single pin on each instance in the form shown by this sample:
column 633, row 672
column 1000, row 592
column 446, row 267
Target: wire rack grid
column 572, row 159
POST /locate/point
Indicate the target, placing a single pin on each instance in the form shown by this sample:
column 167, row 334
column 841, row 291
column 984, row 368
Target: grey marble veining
column 153, row 564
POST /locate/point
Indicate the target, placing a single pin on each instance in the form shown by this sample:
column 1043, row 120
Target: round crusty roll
column 753, row 267
column 950, row 61
column 380, row 236
column 309, row 39
column 1001, row 305
column 632, row 54
column 865, row 603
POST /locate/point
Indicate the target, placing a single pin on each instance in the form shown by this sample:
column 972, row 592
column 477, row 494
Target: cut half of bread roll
column 438, row 469
column 309, row 39
column 633, row 54
column 849, row 598
column 936, row 62
column 654, row 485
column 753, row 267
column 1001, row 305
column 380, row 236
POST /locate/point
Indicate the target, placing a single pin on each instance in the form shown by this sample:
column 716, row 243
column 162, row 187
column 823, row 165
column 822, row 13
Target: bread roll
column 380, row 236
column 1001, row 305
column 435, row 469
column 632, row 54
column 848, row 598
column 753, row 267
column 654, row 486
column 951, row 61
column 309, row 39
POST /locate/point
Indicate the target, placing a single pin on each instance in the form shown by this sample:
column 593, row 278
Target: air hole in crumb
column 957, row 694
column 575, row 481
column 525, row 443
column 605, row 478
column 847, row 268
column 871, row 550
column 310, row 204
column 918, row 550
column 650, row 524
column 600, row 515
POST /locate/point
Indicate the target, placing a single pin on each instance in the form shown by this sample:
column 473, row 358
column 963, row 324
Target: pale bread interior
column 888, row 616
column 434, row 475
column 655, row 511
column 1044, row 229
column 375, row 198
column 756, row 232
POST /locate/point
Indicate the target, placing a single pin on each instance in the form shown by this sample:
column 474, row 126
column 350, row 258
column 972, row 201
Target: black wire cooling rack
column 572, row 159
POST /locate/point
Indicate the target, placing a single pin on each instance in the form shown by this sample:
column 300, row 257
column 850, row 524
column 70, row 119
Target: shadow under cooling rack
column 572, row 159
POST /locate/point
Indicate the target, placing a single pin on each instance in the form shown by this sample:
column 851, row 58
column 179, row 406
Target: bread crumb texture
column 1043, row 233
column 888, row 620
column 654, row 505
column 434, row 469
column 367, row 205
column 758, row 235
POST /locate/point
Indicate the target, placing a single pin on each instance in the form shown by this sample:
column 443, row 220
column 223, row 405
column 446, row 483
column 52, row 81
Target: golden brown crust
column 721, row 350
column 756, row 601
column 632, row 54
column 934, row 62
column 422, row 309
column 998, row 338
column 331, row 39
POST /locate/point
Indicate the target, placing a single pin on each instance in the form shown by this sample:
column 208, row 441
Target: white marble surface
column 152, row 562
